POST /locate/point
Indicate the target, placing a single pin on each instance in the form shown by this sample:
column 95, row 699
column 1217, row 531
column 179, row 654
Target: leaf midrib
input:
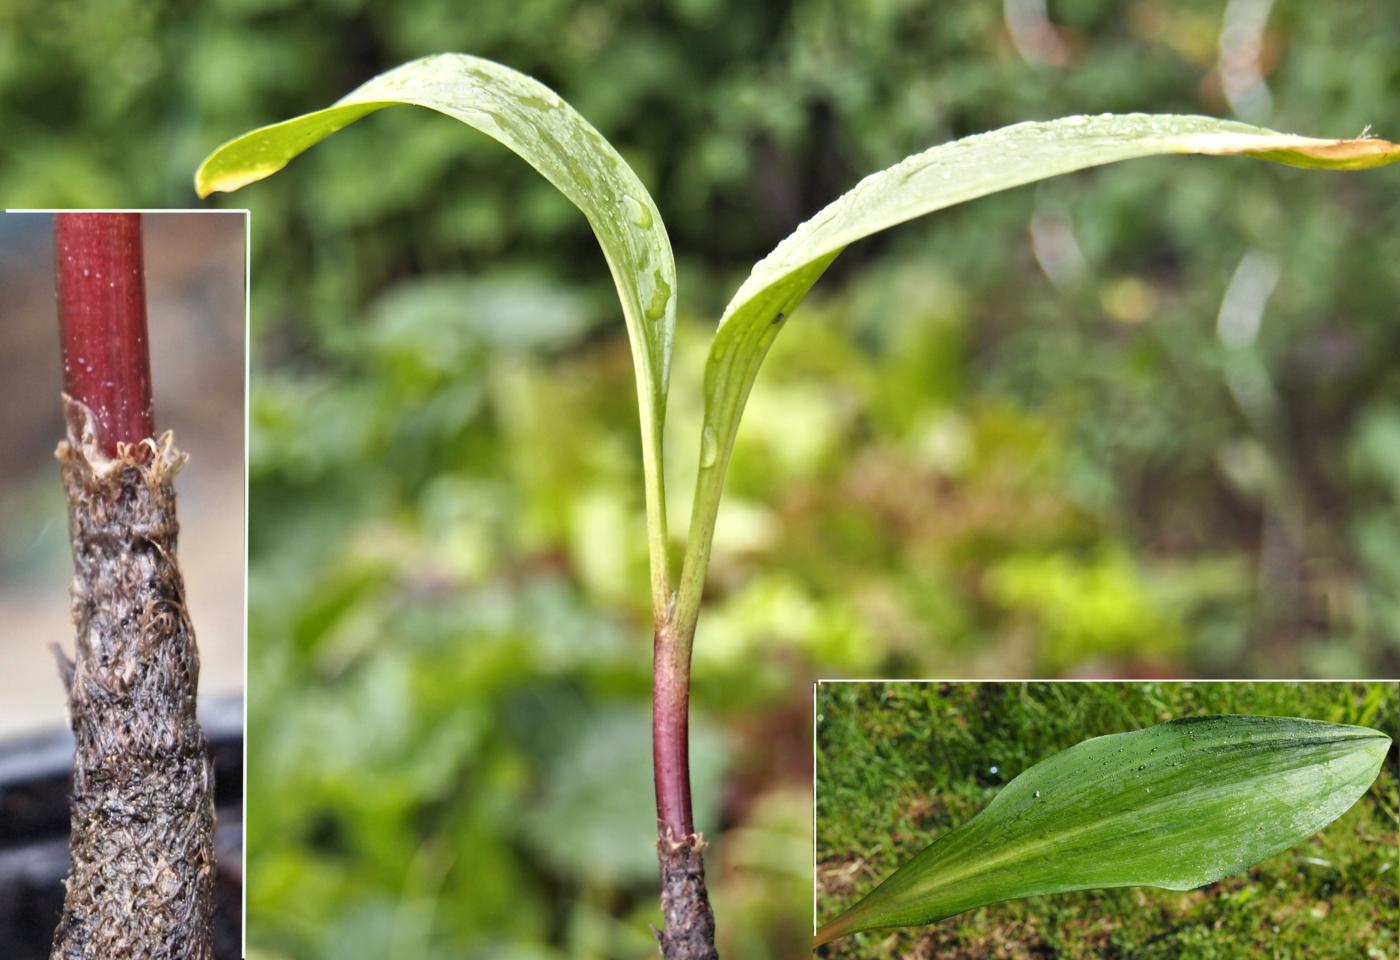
column 1033, row 847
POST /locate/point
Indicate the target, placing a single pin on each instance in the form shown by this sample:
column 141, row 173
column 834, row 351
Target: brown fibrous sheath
column 141, row 883
column 689, row 931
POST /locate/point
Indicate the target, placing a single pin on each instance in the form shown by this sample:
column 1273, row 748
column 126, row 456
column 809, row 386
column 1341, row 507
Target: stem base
column 142, row 837
column 689, row 932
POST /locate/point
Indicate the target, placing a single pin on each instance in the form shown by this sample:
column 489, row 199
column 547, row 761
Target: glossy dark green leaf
column 1177, row 805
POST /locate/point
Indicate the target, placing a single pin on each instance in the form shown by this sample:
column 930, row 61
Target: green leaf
column 941, row 177
column 1177, row 805
column 535, row 123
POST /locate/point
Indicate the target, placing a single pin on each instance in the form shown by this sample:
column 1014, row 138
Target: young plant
column 142, row 836
column 535, row 123
column 1178, row 805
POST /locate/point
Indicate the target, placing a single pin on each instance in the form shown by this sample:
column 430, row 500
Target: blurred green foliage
column 1007, row 440
column 898, row 764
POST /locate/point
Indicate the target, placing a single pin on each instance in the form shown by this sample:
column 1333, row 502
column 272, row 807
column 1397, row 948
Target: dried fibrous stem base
column 141, row 884
column 689, row 932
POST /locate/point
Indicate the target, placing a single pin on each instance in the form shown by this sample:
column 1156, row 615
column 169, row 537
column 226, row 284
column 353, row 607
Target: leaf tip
column 1363, row 152
column 1379, row 742
column 215, row 177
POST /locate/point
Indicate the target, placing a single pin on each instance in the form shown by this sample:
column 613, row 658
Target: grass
column 899, row 763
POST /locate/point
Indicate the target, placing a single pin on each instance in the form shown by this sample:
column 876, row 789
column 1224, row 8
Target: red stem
column 102, row 319
column 670, row 737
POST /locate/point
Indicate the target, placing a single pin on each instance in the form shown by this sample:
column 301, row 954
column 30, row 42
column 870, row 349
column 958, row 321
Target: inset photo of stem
column 122, row 583
column 1106, row 819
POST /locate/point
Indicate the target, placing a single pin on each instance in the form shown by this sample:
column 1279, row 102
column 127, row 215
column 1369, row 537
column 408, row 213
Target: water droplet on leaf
column 637, row 211
column 660, row 297
column 709, row 447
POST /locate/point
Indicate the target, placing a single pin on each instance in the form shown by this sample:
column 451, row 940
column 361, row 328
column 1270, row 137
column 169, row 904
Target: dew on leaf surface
column 636, row 211
column 709, row 447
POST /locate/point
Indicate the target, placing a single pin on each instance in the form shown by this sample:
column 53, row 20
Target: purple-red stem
column 670, row 737
column 688, row 921
column 102, row 319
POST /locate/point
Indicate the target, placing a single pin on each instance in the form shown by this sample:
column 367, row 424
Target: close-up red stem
column 689, row 922
column 102, row 320
column 670, row 736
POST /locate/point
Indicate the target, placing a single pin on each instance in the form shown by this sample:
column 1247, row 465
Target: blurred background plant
column 1141, row 421
column 899, row 764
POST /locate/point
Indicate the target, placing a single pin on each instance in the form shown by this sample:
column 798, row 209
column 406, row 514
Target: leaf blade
column 1177, row 806
column 542, row 129
column 937, row 178
column 979, row 165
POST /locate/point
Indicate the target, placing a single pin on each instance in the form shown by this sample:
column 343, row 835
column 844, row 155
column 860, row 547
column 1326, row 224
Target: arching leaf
column 535, row 123
column 940, row 177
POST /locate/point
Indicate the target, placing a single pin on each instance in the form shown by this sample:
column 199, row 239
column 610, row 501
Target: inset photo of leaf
column 1111, row 819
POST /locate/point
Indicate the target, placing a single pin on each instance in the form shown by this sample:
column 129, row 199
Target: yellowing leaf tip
column 1359, row 153
column 207, row 181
